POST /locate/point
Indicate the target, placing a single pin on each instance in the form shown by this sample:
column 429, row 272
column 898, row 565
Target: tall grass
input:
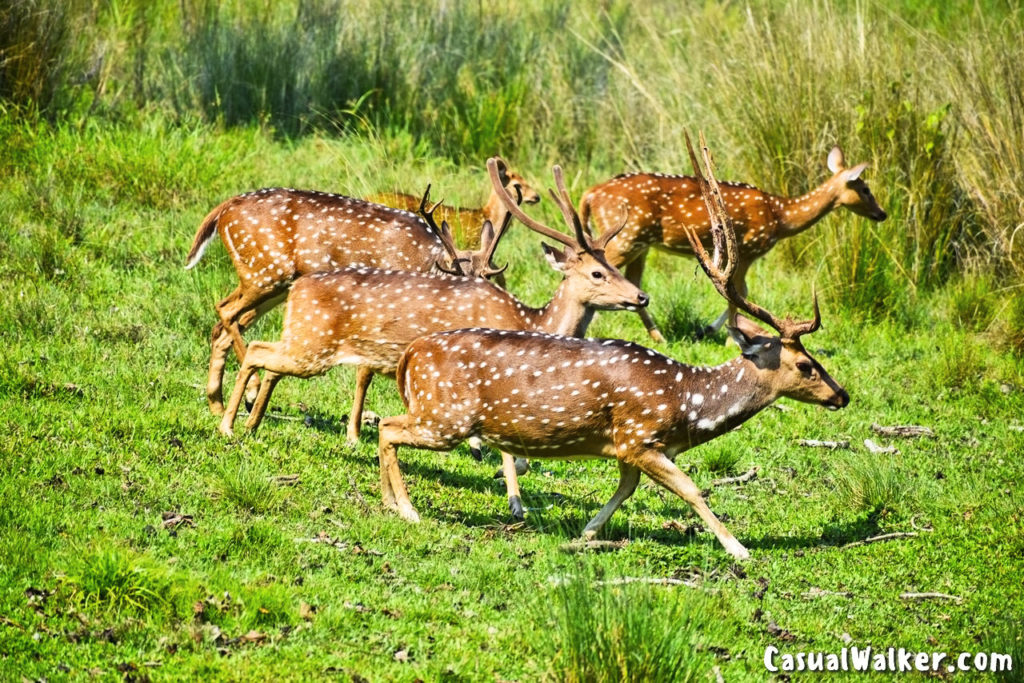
column 929, row 95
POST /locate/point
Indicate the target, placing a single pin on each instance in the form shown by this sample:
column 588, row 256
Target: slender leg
column 403, row 430
column 364, row 376
column 228, row 421
column 219, row 345
column 515, row 502
column 259, row 406
column 629, row 477
column 634, row 273
column 227, row 334
column 662, row 470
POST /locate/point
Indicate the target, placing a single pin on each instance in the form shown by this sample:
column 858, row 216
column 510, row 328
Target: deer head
column 590, row 277
column 515, row 183
column 853, row 192
column 796, row 374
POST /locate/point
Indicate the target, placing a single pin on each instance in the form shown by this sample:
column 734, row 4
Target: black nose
column 642, row 299
column 881, row 216
column 842, row 398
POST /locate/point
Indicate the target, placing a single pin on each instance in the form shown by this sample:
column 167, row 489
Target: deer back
column 274, row 235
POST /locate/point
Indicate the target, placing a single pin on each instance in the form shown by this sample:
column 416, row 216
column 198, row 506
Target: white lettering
column 769, row 655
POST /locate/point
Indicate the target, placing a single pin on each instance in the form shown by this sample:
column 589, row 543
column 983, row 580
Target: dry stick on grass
column 749, row 475
column 882, row 537
column 623, row 580
column 906, row 431
column 816, row 592
column 831, row 445
column 930, row 596
column 580, row 546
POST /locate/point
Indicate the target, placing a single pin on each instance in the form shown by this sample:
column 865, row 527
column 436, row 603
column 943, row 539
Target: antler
column 563, row 203
column 488, row 246
column 724, row 237
column 443, row 233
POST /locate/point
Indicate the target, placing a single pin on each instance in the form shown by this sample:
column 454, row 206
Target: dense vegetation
column 135, row 541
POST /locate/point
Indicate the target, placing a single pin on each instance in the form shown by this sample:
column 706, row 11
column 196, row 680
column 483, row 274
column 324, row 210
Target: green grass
column 111, row 154
column 104, row 429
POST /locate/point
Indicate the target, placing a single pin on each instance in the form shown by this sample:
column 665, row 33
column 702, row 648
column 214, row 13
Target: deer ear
column 751, row 338
column 852, row 174
column 558, row 259
column 486, row 234
column 503, row 172
column 836, row 161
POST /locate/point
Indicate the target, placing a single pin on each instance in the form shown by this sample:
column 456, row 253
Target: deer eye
column 597, row 275
column 805, row 367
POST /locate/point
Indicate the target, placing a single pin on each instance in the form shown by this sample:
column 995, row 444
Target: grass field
column 136, row 543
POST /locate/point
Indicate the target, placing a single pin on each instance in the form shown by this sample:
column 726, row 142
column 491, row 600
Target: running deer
column 274, row 235
column 367, row 317
column 662, row 208
column 548, row 396
column 465, row 223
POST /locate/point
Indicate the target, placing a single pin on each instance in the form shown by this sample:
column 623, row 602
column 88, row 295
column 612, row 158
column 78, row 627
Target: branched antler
column 724, row 238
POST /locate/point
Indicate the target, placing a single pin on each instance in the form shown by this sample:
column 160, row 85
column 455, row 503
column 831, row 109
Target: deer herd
column 392, row 291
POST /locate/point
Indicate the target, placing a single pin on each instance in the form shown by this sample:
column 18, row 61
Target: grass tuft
column 605, row 633
column 246, row 484
column 873, row 483
column 116, row 580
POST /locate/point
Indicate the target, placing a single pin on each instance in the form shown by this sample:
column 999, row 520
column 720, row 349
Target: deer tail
column 204, row 235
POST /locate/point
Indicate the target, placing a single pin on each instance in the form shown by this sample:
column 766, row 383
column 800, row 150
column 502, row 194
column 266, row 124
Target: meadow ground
column 137, row 543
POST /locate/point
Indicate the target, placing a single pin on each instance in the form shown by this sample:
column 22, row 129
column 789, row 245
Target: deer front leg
column 629, row 477
column 635, row 273
column 515, row 502
column 259, row 405
column 659, row 468
column 364, row 376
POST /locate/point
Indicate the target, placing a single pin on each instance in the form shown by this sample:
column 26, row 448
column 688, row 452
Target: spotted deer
column 367, row 317
column 662, row 208
column 549, row 396
column 274, row 235
column 465, row 223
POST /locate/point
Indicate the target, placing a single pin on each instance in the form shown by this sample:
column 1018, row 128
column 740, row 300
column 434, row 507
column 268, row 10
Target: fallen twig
column 580, row 545
column 1016, row 428
column 816, row 592
column 906, row 431
column 286, row 479
column 749, row 475
column 718, row 674
column 882, row 537
column 930, row 596
column 623, row 580
column 831, row 445
column 358, row 494
column 880, row 450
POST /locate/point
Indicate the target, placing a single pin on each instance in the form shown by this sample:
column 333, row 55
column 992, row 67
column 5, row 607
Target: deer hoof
column 515, row 505
column 737, row 550
column 656, row 335
column 477, row 455
column 408, row 513
column 226, row 430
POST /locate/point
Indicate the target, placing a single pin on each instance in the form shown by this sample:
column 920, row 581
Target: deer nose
column 840, row 400
column 642, row 299
column 880, row 216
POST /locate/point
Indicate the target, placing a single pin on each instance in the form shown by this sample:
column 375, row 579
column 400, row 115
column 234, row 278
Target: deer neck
column 494, row 210
column 717, row 399
column 796, row 214
column 565, row 314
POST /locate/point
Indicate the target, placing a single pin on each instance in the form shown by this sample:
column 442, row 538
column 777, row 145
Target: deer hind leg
column 404, row 430
column 227, row 333
column 660, row 469
column 629, row 477
column 509, row 467
column 364, row 376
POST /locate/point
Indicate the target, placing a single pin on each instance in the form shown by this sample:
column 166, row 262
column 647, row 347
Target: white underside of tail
column 202, row 250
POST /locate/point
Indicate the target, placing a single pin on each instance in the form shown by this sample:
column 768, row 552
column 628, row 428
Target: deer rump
column 548, row 396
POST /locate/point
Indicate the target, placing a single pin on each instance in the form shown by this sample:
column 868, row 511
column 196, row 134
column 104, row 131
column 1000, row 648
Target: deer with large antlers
column 549, row 396
column 466, row 222
column 274, row 235
column 664, row 208
column 367, row 317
